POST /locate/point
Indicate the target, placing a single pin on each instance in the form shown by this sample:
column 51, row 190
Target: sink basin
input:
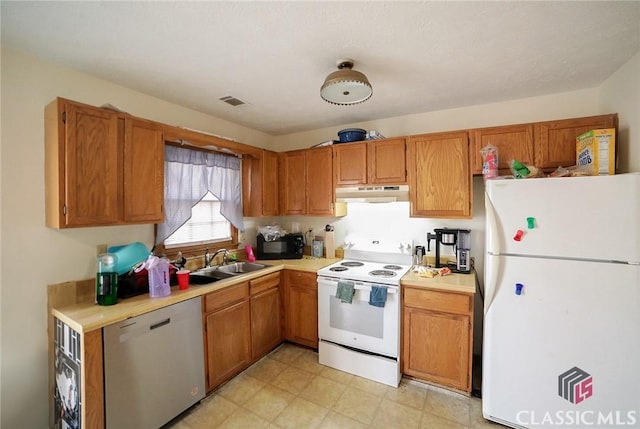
column 241, row 267
column 208, row 275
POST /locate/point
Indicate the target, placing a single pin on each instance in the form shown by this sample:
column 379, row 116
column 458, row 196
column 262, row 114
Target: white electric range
column 358, row 337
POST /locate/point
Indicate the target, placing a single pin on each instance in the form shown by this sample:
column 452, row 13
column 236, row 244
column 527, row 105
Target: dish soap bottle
column 107, row 279
column 249, row 252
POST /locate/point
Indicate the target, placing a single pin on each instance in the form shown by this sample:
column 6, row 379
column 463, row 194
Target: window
column 206, row 229
column 206, row 225
column 194, row 223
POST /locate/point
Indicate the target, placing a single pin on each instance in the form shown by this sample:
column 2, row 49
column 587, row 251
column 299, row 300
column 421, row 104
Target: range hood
column 372, row 194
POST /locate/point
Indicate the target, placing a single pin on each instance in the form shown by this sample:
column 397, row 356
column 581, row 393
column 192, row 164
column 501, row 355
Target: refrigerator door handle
column 493, row 236
column 492, row 266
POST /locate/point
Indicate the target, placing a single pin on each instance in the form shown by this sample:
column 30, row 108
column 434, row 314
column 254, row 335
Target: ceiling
column 274, row 56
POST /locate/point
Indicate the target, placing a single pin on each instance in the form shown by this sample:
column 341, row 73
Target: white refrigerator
column 562, row 302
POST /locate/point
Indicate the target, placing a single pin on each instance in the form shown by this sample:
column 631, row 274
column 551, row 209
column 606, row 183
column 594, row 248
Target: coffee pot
column 460, row 240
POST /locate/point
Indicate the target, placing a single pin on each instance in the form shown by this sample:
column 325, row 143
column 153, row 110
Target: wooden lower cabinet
column 437, row 337
column 266, row 315
column 301, row 307
column 227, row 333
column 242, row 324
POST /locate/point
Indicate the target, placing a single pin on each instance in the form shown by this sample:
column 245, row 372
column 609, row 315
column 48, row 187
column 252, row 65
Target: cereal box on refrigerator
column 595, row 152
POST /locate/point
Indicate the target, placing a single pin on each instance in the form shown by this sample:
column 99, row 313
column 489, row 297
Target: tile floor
column 289, row 389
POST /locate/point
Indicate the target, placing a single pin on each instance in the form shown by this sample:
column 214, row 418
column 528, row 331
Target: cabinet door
column 436, row 347
column 439, row 178
column 513, row 142
column 292, row 182
column 270, row 183
column 143, row 162
column 555, row 141
column 387, row 162
column 301, row 308
column 260, row 185
column 228, row 342
column 266, row 332
column 350, row 164
column 92, row 167
column 319, row 191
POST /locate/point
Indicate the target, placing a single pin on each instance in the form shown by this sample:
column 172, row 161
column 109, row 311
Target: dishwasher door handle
column 159, row 324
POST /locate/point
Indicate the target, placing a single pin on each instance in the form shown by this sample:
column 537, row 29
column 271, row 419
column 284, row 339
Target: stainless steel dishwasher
column 153, row 366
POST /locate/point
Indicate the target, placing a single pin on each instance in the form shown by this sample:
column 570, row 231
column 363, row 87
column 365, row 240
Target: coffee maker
column 460, row 239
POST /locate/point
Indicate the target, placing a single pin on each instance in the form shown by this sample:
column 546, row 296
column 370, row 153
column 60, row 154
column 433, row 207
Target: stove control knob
column 404, row 246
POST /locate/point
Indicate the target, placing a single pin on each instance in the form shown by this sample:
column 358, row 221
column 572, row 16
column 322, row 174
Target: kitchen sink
column 207, row 275
column 213, row 274
column 241, row 267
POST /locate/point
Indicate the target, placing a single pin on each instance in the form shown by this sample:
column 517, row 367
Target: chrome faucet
column 209, row 258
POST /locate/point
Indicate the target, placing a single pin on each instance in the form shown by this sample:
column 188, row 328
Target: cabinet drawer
column 446, row 302
column 263, row 283
column 217, row 300
column 302, row 279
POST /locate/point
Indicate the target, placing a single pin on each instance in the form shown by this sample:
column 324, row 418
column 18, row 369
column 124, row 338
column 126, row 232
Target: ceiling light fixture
column 346, row 86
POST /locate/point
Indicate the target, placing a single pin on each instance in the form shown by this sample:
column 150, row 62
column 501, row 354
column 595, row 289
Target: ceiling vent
column 232, row 101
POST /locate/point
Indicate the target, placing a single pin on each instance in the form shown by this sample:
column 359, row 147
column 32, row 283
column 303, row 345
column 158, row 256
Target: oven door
column 359, row 325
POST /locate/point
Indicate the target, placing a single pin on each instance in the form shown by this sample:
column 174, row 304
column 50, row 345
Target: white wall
column 549, row 107
column 621, row 93
column 33, row 256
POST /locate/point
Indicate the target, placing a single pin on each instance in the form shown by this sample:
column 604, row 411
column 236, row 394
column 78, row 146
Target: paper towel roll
column 329, row 244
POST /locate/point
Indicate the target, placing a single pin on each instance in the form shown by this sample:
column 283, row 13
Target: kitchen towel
column 378, row 296
column 345, row 291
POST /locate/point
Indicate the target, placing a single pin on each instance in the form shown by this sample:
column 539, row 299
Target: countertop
column 460, row 283
column 85, row 316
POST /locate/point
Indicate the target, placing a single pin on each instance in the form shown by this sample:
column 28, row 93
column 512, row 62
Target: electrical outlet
column 100, row 249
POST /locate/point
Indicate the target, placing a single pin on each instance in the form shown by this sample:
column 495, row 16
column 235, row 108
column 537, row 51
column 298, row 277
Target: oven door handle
column 361, row 286
column 356, row 285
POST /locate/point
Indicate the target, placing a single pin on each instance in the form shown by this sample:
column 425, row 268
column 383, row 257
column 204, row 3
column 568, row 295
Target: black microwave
column 288, row 246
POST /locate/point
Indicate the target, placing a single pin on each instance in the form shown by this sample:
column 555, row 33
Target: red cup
column 183, row 279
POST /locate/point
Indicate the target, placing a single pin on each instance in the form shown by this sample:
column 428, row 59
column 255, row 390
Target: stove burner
column 382, row 273
column 338, row 269
column 392, row 267
column 352, row 264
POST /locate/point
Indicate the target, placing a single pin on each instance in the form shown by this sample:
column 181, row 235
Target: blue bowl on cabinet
column 351, row 135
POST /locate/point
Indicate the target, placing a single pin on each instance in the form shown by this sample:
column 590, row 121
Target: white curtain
column 188, row 175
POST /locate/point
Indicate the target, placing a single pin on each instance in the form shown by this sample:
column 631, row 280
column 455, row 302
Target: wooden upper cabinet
column 387, row 161
column 319, row 189
column 143, row 163
column 260, row 185
column 512, row 141
column 101, row 167
column 306, row 182
column 292, row 182
column 439, row 177
column 82, row 167
column 555, row 141
column 270, row 183
column 376, row 162
column 350, row 164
